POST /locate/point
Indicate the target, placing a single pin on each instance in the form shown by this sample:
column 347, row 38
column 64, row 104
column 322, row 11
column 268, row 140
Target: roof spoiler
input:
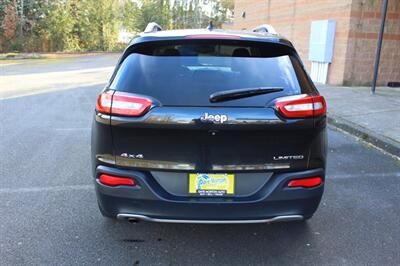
column 152, row 27
column 264, row 28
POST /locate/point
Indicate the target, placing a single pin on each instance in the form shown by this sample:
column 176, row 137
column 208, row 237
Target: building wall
column 365, row 24
column 354, row 38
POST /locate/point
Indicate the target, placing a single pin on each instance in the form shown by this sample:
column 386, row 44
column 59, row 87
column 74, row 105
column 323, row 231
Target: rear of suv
column 209, row 126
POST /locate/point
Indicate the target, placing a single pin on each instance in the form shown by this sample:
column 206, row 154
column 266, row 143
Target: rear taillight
column 122, row 103
column 114, row 181
column 126, row 104
column 103, row 104
column 306, row 182
column 301, row 106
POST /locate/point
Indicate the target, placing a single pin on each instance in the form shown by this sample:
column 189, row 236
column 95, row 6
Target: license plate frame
column 211, row 184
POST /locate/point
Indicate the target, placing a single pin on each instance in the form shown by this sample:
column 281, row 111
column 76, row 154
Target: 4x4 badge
column 219, row 118
column 132, row 156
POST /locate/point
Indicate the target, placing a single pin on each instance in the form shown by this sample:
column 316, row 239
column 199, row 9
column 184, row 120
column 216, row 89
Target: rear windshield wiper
column 228, row 95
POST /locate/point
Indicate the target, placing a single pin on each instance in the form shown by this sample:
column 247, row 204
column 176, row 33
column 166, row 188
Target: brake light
column 212, row 36
column 301, row 106
column 114, row 181
column 122, row 103
column 306, row 182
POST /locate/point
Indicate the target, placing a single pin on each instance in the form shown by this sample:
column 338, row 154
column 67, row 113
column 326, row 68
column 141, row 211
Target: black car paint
column 149, row 198
column 247, row 142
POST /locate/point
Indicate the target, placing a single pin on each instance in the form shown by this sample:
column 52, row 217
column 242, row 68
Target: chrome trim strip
column 153, row 164
column 236, row 167
column 106, row 158
column 286, row 218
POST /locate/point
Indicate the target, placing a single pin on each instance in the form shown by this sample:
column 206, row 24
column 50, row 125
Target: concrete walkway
column 374, row 118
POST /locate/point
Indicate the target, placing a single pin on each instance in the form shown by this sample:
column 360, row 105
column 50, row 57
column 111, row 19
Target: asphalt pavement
column 68, row 63
column 370, row 117
column 49, row 213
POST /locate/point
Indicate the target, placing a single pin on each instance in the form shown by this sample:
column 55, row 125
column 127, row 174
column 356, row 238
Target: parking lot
column 49, row 213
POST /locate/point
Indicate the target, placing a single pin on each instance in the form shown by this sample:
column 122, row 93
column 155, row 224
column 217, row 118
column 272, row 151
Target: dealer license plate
column 202, row 184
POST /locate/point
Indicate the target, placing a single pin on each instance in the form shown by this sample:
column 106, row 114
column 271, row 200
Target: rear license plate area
column 211, row 185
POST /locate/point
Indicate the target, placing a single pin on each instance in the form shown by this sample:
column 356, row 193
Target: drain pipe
column 379, row 47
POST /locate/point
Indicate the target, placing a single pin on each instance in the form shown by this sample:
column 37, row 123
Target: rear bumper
column 148, row 201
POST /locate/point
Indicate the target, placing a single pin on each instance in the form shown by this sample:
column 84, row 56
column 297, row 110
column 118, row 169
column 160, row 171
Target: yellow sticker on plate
column 211, row 184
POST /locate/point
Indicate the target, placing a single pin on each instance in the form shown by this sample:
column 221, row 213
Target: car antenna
column 210, row 25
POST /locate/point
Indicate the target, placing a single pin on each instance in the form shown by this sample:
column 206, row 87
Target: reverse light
column 122, row 103
column 301, row 106
column 306, row 182
column 114, row 181
column 130, row 105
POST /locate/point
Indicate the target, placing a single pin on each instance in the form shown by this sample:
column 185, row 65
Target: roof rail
column 264, row 28
column 210, row 25
column 152, row 27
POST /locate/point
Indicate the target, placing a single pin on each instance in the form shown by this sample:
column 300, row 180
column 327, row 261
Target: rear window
column 187, row 74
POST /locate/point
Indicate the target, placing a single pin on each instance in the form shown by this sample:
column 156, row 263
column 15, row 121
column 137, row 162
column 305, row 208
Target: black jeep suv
column 209, row 126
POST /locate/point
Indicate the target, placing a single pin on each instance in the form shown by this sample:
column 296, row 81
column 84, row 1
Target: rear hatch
column 175, row 126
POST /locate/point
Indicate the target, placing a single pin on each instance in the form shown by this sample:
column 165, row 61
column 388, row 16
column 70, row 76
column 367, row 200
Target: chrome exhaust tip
column 133, row 220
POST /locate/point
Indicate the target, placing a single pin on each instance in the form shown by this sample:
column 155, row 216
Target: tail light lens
column 114, row 181
column 306, row 182
column 301, row 106
column 122, row 103
column 103, row 104
column 129, row 105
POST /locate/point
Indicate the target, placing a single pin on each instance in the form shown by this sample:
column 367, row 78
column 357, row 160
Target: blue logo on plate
column 201, row 180
column 205, row 179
